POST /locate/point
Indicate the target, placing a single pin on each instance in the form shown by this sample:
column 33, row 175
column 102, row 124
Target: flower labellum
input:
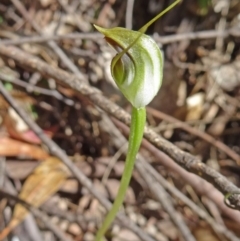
column 137, row 68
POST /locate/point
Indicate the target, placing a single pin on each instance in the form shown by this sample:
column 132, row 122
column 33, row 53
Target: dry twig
column 56, row 151
column 51, row 43
column 186, row 160
column 196, row 132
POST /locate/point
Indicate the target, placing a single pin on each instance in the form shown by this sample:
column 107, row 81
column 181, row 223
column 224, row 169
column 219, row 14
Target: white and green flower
column 138, row 72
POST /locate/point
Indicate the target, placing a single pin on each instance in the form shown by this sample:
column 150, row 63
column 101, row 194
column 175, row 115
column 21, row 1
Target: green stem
column 135, row 138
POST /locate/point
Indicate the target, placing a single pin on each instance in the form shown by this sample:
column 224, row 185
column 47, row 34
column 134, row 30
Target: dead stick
column 184, row 159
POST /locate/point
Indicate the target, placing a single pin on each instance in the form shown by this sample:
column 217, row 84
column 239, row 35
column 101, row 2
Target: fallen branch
column 56, row 151
column 184, row 159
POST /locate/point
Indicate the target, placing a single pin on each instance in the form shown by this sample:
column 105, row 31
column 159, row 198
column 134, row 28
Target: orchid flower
column 137, row 70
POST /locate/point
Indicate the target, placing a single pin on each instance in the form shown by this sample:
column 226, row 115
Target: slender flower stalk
column 136, row 133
